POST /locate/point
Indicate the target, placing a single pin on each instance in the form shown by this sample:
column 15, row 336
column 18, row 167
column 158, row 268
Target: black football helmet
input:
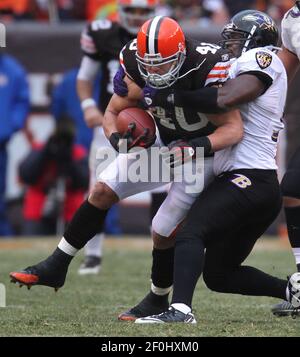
column 250, row 29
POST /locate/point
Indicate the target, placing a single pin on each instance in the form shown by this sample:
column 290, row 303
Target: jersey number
column 207, row 47
column 167, row 122
column 102, row 24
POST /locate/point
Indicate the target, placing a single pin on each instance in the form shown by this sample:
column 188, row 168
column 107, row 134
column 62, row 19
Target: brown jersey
column 205, row 64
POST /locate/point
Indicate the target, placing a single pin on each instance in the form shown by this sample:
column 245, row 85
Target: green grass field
column 89, row 306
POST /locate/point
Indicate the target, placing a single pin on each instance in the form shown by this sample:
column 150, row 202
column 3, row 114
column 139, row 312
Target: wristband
column 86, row 103
column 202, row 141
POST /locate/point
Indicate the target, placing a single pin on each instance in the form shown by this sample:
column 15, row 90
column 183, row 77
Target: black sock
column 162, row 267
column 158, row 299
column 293, row 225
column 58, row 260
column 189, row 258
column 86, row 223
column 157, row 198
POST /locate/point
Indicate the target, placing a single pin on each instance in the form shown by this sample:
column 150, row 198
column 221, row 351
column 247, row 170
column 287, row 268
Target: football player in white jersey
column 290, row 186
column 244, row 199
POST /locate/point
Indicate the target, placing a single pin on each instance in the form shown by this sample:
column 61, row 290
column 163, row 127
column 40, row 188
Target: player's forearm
column 204, row 100
column 229, row 132
column 115, row 106
column 212, row 100
column 87, row 73
column 84, row 89
column 109, row 122
column 290, row 61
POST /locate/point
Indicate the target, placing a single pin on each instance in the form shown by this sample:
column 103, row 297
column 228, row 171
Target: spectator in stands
column 215, row 11
column 277, row 8
column 57, row 176
column 235, row 6
column 101, row 9
column 14, row 10
column 203, row 12
column 14, row 108
column 60, row 10
column 187, row 10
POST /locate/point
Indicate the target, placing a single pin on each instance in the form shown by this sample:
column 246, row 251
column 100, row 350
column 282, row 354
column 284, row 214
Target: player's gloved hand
column 120, row 86
column 158, row 97
column 122, row 142
column 181, row 151
column 178, row 152
column 127, row 141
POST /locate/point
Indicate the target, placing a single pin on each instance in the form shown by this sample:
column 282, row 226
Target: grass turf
column 89, row 306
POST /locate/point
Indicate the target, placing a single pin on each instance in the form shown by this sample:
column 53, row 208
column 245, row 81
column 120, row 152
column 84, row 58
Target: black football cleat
column 90, row 266
column 47, row 273
column 170, row 316
column 285, row 308
column 151, row 305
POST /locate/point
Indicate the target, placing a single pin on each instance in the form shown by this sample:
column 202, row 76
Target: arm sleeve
column 219, row 74
column 89, row 69
column 286, row 34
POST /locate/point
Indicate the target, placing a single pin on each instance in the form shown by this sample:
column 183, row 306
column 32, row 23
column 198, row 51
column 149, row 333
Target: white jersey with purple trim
column 262, row 117
column 290, row 28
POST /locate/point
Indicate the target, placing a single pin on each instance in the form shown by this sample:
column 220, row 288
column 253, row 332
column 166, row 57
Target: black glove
column 158, row 97
column 126, row 141
column 181, row 151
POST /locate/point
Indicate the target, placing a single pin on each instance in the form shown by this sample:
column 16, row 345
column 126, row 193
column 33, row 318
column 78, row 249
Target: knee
column 215, row 280
column 161, row 242
column 102, row 196
column 290, row 184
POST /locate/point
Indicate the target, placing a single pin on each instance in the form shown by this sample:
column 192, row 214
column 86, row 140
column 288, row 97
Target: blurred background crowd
column 211, row 11
column 44, row 162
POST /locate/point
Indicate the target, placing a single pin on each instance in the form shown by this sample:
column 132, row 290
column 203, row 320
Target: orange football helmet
column 160, row 45
column 133, row 13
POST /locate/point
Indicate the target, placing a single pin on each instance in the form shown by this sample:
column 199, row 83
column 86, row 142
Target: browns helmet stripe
column 152, row 35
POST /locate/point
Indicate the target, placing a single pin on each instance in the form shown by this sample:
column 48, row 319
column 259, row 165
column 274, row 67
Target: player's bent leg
column 291, row 190
column 87, row 221
column 223, row 269
column 165, row 223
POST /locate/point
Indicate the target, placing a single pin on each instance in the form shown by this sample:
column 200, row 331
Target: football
column 144, row 125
